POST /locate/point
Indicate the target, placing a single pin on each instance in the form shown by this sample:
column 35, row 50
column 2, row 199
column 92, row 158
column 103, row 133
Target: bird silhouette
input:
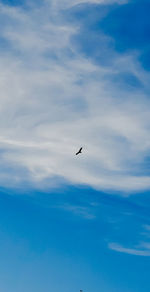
column 79, row 151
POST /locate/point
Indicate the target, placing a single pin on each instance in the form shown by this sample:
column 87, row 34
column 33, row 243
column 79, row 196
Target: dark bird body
column 80, row 151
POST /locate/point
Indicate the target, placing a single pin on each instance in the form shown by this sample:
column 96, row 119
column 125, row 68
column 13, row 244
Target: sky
column 74, row 73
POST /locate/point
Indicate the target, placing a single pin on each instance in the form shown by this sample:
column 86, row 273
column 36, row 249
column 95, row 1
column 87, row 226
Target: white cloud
column 81, row 211
column 143, row 251
column 53, row 100
column 131, row 251
column 71, row 3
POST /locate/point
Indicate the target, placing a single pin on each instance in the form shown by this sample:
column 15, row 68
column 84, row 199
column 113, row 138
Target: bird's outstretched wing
column 79, row 151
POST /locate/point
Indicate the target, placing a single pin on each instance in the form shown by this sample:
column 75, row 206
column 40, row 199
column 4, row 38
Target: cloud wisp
column 142, row 250
column 82, row 211
column 54, row 100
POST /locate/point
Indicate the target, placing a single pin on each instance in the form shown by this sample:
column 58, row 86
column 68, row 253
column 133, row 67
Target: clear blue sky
column 74, row 73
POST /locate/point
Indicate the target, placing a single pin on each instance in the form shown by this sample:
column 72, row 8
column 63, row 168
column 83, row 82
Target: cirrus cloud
column 54, row 100
column 143, row 250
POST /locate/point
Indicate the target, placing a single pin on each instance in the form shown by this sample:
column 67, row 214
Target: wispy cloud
column 54, row 100
column 81, row 211
column 147, row 228
column 67, row 3
column 143, row 250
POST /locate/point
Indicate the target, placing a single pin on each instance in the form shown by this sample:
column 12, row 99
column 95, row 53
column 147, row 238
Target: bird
column 79, row 151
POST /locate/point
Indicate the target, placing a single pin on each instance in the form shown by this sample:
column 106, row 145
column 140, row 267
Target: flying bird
column 79, row 151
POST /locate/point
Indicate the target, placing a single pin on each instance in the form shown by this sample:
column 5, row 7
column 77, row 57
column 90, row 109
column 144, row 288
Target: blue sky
column 74, row 73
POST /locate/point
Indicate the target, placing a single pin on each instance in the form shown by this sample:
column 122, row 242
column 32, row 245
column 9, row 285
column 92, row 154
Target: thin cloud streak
column 71, row 3
column 81, row 211
column 132, row 251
